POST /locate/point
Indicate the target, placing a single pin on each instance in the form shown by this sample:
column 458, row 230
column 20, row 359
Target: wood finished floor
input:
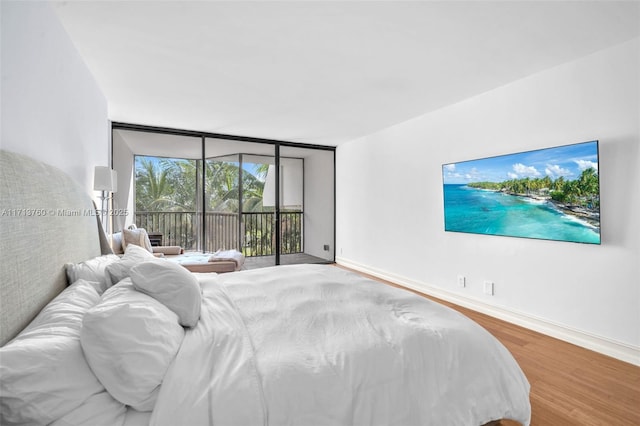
column 570, row 385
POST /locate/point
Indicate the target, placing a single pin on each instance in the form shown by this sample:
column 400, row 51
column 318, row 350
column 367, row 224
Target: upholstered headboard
column 46, row 220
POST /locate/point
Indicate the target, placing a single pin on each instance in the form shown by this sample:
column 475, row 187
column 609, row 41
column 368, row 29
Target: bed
column 136, row 341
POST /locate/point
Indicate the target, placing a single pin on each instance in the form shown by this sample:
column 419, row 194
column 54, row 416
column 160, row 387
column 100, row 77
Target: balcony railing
column 254, row 235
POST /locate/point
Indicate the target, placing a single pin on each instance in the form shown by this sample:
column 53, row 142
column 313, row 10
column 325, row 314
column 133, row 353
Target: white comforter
column 317, row 345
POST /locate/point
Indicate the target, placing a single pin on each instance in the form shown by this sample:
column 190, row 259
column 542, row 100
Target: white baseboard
column 622, row 351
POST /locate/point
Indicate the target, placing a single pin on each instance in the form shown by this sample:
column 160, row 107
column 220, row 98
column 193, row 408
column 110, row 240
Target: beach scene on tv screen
column 550, row 194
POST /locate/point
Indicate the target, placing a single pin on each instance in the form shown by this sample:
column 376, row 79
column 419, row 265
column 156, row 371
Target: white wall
column 123, row 200
column 319, row 204
column 390, row 203
column 52, row 108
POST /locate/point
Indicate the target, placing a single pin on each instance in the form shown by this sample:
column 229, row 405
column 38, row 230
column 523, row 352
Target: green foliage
column 492, row 186
column 171, row 185
column 154, row 191
column 558, row 196
column 583, row 191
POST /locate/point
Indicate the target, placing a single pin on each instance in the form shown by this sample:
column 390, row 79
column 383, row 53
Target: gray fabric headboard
column 46, row 220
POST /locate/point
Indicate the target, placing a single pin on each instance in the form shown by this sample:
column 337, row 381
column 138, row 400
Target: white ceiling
column 323, row 72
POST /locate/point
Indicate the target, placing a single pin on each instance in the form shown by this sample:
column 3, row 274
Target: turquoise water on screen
column 486, row 212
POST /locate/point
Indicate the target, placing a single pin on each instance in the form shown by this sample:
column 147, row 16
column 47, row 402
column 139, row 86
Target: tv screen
column 550, row 194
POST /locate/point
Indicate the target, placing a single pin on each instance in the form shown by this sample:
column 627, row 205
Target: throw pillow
column 138, row 237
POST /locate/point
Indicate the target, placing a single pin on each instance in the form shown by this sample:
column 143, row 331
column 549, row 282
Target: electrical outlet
column 462, row 281
column 488, row 288
column 326, row 247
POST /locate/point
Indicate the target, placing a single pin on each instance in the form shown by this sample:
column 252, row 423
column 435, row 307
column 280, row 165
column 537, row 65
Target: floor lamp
column 104, row 180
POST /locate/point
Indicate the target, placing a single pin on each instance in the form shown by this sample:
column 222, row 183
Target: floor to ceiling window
column 165, row 199
column 273, row 201
column 241, row 185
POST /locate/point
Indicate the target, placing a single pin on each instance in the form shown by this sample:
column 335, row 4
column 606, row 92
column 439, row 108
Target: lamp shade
column 103, row 179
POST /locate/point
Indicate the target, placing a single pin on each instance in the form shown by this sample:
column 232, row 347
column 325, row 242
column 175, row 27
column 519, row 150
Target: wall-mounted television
column 549, row 194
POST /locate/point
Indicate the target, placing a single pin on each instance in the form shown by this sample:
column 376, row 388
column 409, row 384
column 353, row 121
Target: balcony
column 254, row 234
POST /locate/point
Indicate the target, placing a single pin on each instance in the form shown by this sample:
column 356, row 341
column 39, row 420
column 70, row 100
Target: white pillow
column 172, row 285
column 65, row 311
column 44, row 372
column 133, row 255
column 91, row 270
column 138, row 237
column 129, row 340
column 116, row 243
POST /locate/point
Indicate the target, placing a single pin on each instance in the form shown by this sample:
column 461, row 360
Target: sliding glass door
column 237, row 215
column 166, row 199
column 158, row 183
column 307, row 220
column 291, row 204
